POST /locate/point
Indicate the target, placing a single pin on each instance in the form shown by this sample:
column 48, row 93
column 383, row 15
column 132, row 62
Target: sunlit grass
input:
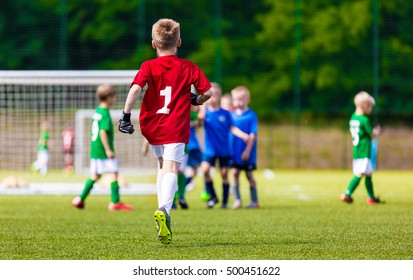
column 301, row 217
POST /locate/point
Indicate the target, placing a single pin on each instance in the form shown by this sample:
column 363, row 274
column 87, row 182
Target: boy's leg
column 369, row 186
column 253, row 190
column 370, row 191
column 236, row 191
column 225, row 187
column 182, row 190
column 96, row 170
column 168, row 189
column 166, row 195
column 44, row 159
column 87, row 189
column 159, row 178
column 209, row 185
column 346, row 196
column 79, row 201
column 353, row 185
column 172, row 155
column 114, row 191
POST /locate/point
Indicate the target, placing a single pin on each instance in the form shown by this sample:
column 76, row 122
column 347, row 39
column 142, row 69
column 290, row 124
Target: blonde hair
column 363, row 97
column 165, row 33
column 216, row 89
column 103, row 92
column 241, row 89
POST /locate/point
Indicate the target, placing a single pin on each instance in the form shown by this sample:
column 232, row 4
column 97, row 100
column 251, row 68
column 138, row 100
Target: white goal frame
column 63, row 99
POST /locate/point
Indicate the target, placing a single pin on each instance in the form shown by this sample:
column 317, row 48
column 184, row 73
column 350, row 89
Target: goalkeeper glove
column 125, row 125
column 193, row 99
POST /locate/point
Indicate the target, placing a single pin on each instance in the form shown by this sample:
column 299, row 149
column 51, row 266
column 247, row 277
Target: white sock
column 159, row 187
column 169, row 187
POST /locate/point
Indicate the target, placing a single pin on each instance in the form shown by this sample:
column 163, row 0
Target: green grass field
column 301, row 218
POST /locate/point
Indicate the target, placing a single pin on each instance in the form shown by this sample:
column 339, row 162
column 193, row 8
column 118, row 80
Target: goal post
column 62, row 99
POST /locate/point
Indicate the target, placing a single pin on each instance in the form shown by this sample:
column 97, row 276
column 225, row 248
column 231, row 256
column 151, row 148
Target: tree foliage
column 234, row 41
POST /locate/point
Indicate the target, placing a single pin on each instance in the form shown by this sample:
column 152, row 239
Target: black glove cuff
column 193, row 99
column 126, row 117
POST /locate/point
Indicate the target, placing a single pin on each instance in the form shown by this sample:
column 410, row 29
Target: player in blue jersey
column 218, row 124
column 193, row 147
column 244, row 153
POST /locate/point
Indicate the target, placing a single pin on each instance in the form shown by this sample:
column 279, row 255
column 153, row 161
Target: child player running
column 244, row 154
column 42, row 161
column 165, row 112
column 102, row 152
column 362, row 133
column 218, row 124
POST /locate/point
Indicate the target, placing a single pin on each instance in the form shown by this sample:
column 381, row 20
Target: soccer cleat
column 375, row 200
column 211, row 202
column 346, row 198
column 78, row 203
column 163, row 226
column 182, row 202
column 119, row 207
column 253, row 205
column 237, row 204
column 224, row 206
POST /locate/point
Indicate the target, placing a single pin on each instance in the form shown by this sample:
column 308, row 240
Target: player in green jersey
column 42, row 161
column 362, row 134
column 102, row 152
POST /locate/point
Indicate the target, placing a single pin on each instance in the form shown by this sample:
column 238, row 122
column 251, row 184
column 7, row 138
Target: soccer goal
column 62, row 99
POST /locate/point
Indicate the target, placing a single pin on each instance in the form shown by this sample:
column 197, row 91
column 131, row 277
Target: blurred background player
column 42, row 162
column 102, row 153
column 362, row 134
column 244, row 155
column 193, row 149
column 165, row 112
column 218, row 124
column 68, row 147
column 226, row 102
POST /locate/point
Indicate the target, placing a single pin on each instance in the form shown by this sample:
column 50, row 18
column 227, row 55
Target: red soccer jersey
column 165, row 109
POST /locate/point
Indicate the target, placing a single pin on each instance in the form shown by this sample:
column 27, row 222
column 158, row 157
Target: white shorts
column 184, row 164
column 362, row 166
column 102, row 166
column 173, row 152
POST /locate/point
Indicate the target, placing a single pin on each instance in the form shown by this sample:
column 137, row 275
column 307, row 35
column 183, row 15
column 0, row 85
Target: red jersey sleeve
column 200, row 81
column 141, row 78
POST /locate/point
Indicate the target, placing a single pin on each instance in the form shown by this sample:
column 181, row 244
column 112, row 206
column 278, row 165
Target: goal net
column 62, row 99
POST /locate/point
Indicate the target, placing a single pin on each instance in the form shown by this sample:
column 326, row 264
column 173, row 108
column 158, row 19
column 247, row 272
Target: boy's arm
column 376, row 131
column 239, row 133
column 125, row 125
column 250, row 143
column 145, row 146
column 201, row 114
column 105, row 143
column 200, row 99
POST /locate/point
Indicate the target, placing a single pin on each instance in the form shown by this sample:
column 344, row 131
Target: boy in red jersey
column 165, row 112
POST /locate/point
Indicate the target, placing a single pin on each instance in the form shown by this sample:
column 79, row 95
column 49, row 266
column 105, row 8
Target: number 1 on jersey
column 167, row 92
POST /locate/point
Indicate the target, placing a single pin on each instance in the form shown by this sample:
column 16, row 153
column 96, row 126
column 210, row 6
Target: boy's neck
column 166, row 52
column 214, row 107
column 104, row 105
column 359, row 111
column 241, row 110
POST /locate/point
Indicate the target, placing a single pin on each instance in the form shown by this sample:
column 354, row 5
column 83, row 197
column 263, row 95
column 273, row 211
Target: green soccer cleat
column 163, row 226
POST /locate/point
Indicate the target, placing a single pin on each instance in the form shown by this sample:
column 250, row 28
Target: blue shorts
column 194, row 157
column 223, row 161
